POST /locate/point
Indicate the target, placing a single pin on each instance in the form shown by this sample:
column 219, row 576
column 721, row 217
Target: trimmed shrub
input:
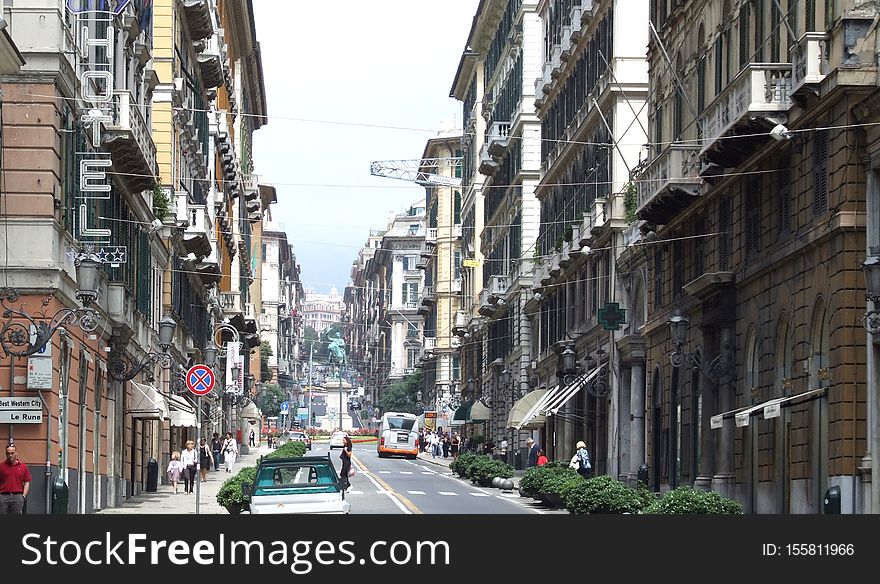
column 230, row 492
column 485, row 468
column 602, row 494
column 561, row 483
column 462, row 464
column 688, row 501
column 290, row 449
column 533, row 480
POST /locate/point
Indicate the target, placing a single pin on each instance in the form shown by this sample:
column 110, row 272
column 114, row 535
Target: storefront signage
column 21, row 410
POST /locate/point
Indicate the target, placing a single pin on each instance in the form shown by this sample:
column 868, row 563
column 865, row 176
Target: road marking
column 416, row 492
column 404, row 504
column 405, row 472
column 508, row 495
column 384, row 472
column 355, row 492
column 510, row 500
column 479, row 494
column 428, row 472
column 448, row 493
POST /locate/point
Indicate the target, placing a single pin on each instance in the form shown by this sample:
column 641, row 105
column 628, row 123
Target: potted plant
column 556, row 484
column 688, row 501
column 485, row 469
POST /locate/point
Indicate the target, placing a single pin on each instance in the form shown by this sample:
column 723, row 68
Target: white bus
column 399, row 434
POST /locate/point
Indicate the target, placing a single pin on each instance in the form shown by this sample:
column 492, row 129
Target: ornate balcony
column 668, row 184
column 757, row 99
column 488, row 165
column 198, row 19
column 498, row 139
column 431, row 235
column 809, row 61
column 130, row 144
column 428, row 296
column 211, row 63
column 497, row 288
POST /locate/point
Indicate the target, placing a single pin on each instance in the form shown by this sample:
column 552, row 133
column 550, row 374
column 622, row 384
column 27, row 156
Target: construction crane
column 422, row 171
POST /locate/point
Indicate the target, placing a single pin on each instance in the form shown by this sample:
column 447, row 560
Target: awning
column 771, row 409
column 147, row 403
column 522, row 407
column 566, row 394
column 480, row 412
column 530, row 420
column 182, row 412
column 462, row 414
column 251, row 411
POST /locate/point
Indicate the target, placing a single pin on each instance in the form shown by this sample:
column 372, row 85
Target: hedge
column 688, row 501
column 602, row 494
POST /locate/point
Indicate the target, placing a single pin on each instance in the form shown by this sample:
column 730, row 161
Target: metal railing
column 679, row 164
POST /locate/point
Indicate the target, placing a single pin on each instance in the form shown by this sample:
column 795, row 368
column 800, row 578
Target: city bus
column 399, row 434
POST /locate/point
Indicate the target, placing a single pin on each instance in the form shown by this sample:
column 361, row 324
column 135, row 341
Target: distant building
column 322, row 310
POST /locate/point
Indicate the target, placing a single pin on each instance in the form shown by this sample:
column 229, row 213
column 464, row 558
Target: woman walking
column 205, row 459
column 216, row 450
column 188, row 458
column 345, row 455
column 175, row 468
column 230, row 451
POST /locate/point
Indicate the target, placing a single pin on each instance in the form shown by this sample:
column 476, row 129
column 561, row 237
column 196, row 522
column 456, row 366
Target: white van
column 399, row 434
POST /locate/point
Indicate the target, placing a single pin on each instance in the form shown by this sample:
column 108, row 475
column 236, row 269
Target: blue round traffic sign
column 200, row 379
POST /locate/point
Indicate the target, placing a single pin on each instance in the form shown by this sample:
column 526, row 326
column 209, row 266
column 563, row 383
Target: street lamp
column 568, row 365
column 871, row 267
column 20, row 339
column 209, row 354
column 121, row 369
column 717, row 370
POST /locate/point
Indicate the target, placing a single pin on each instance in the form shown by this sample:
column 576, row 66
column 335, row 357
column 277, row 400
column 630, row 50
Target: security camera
column 586, row 250
column 780, row 133
column 155, row 226
column 538, row 296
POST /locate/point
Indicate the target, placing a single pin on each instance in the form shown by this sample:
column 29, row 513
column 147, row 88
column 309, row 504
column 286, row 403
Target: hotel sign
column 93, row 21
column 21, row 410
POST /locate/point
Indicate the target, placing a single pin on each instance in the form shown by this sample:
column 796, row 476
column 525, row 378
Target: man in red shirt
column 15, row 481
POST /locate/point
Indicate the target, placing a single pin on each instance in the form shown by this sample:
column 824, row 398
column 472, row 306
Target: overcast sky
column 379, row 63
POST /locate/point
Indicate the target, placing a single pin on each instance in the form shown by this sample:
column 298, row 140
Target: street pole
column 341, row 411
column 311, row 354
column 199, row 463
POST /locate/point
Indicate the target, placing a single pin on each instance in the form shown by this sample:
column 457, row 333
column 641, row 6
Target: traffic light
column 313, row 418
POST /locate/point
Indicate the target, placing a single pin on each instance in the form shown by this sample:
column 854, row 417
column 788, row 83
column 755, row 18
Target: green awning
column 462, row 414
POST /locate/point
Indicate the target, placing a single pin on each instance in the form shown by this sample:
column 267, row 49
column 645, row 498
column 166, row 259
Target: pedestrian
column 454, row 445
column 533, row 453
column 421, row 440
column 217, row 450
column 251, row 437
column 502, row 450
column 175, row 469
column 468, row 444
column 189, row 458
column 581, row 460
column 230, row 451
column 435, row 446
column 489, row 447
column 445, row 445
column 345, row 455
column 15, row 482
column 205, row 459
column 542, row 458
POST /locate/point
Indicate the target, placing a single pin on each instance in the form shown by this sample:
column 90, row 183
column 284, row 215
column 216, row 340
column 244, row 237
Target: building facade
column 320, row 311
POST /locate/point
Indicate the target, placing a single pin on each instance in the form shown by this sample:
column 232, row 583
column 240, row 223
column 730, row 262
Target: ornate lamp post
column 717, row 370
column 122, row 369
column 871, row 267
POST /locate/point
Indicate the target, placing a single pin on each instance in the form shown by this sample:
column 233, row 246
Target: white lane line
column 416, row 492
column 383, row 491
column 428, row 472
column 384, row 472
column 405, row 472
column 513, row 501
column 448, row 493
column 355, row 493
column 479, row 494
column 507, row 495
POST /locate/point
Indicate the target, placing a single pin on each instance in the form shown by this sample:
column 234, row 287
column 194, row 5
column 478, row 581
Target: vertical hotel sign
column 93, row 26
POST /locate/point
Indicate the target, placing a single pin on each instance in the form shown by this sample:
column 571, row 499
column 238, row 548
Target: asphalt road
column 399, row 485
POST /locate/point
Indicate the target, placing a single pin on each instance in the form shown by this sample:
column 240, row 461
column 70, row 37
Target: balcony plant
column 161, row 204
column 688, row 501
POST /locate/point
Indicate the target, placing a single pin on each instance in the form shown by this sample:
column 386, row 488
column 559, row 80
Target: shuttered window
column 658, row 277
column 783, row 195
column 699, row 246
column 820, row 172
column 752, row 213
column 744, row 16
column 677, row 267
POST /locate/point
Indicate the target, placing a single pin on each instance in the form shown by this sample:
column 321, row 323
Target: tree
column 265, row 353
column 270, row 399
column 402, row 396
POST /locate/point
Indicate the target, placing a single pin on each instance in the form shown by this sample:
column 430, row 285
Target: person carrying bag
column 581, row 460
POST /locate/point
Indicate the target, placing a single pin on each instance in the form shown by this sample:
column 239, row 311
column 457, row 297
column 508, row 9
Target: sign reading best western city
column 21, row 410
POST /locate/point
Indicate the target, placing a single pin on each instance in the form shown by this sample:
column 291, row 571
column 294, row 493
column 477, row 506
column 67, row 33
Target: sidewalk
column 164, row 501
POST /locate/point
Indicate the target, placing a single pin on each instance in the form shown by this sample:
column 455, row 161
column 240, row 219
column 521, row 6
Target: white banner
column 233, row 349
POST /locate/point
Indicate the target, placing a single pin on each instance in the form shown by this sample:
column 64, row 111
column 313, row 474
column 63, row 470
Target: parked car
column 300, row 436
column 304, row 484
column 336, row 439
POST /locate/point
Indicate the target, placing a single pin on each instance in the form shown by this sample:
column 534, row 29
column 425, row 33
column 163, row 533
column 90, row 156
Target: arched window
column 819, row 426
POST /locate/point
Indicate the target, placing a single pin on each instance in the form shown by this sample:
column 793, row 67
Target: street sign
column 469, row 263
column 285, row 406
column 21, row 410
column 200, row 379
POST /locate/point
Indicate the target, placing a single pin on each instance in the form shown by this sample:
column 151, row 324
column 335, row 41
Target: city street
column 399, row 485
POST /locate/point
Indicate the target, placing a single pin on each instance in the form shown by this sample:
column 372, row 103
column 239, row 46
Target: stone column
column 709, row 391
column 636, row 419
column 723, row 481
column 623, row 419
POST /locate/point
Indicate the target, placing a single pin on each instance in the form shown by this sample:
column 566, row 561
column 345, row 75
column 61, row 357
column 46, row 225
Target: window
column 412, row 330
column 775, row 38
column 677, row 267
column 783, row 189
column 759, row 31
column 457, row 210
column 719, row 64
column 744, row 16
column 699, row 246
column 752, row 214
column 724, row 235
column 658, row 276
column 413, row 229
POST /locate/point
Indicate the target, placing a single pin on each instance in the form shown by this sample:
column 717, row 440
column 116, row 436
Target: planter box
column 551, row 499
column 235, row 508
